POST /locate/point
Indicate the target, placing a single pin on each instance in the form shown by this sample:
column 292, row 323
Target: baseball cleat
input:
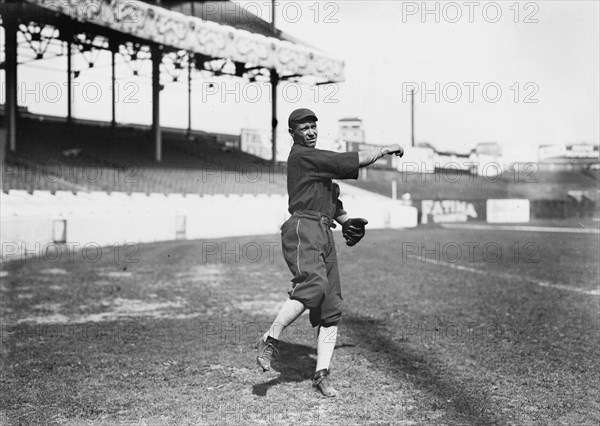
column 322, row 383
column 265, row 351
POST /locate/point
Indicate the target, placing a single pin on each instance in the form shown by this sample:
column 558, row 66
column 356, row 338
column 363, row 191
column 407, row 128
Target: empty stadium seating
column 123, row 161
column 92, row 158
column 463, row 186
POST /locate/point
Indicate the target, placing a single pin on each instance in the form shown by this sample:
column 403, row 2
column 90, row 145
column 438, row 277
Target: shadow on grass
column 420, row 368
column 294, row 364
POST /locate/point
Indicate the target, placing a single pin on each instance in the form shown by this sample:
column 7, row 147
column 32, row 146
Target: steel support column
column 156, row 133
column 113, row 53
column 69, row 82
column 10, row 31
column 274, row 82
column 189, row 88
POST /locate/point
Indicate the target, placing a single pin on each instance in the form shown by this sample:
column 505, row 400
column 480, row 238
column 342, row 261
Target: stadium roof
column 231, row 14
column 215, row 30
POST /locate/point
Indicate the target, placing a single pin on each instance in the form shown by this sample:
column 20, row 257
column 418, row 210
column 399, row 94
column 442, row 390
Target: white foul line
column 523, row 228
column 506, row 275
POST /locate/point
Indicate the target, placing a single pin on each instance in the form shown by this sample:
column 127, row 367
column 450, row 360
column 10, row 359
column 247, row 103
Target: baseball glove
column 353, row 230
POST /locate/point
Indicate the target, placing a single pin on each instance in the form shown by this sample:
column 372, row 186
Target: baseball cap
column 300, row 114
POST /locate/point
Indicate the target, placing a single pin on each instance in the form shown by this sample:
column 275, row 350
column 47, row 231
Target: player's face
column 305, row 133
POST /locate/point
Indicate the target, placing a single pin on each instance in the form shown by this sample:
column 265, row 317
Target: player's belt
column 314, row 215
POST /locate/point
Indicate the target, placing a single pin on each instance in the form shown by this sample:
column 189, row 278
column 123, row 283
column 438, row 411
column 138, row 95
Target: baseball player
column 307, row 241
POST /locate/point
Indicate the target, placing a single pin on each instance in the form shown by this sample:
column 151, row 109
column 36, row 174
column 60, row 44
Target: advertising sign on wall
column 442, row 211
column 258, row 142
column 507, row 211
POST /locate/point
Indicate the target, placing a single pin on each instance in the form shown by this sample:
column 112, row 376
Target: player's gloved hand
column 353, row 230
column 393, row 149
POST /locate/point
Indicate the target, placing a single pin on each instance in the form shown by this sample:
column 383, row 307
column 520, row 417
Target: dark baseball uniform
column 307, row 240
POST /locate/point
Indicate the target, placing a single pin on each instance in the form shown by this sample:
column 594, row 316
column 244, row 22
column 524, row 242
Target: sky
column 521, row 74
column 548, row 71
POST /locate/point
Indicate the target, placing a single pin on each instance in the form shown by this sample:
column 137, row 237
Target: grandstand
column 457, row 184
column 557, row 194
column 218, row 38
column 450, row 184
column 95, row 158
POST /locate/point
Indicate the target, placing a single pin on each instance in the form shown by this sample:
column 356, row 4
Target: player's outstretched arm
column 366, row 158
column 342, row 218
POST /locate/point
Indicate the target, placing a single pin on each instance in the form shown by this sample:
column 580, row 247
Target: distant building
column 489, row 148
column 484, row 159
column 452, row 161
column 351, row 130
column 487, row 159
column 580, row 156
column 352, row 136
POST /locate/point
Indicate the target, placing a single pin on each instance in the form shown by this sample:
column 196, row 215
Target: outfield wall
column 31, row 224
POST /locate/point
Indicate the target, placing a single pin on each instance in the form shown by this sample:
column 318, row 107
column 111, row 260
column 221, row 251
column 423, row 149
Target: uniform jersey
column 310, row 172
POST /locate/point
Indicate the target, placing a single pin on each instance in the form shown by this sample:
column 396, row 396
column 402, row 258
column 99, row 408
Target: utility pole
column 412, row 118
column 189, row 89
column 273, row 17
column 274, row 82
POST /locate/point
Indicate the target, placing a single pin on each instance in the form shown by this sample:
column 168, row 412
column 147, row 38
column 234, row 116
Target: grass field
column 441, row 326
